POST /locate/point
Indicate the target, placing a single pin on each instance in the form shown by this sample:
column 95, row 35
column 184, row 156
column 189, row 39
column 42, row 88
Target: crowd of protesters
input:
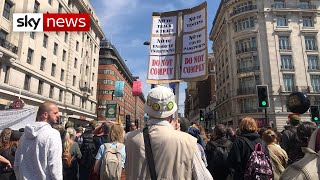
column 165, row 148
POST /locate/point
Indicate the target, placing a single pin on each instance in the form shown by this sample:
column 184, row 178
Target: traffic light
column 127, row 123
column 263, row 96
column 314, row 110
column 201, row 114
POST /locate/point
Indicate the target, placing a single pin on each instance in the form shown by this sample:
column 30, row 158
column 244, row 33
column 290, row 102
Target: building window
column 94, row 62
column 74, row 81
column 42, row 63
column 64, row 53
column 307, row 21
column 55, row 48
column 60, row 8
column 313, row 62
column 60, row 94
column 53, row 70
column 282, row 21
column 30, row 55
column 84, row 103
column 3, row 34
column 51, row 91
column 246, row 45
column 26, row 85
column 40, row 87
column 75, row 63
column 7, row 10
column 310, row 43
column 286, row 62
column 284, row 43
column 91, row 91
column 278, row 4
column 245, row 23
column 73, row 99
column 315, row 82
column 45, row 41
column 87, row 70
column 92, row 76
column 288, row 81
column 36, row 7
column 77, row 46
column 65, row 37
column 7, row 75
column 32, row 35
column 62, row 75
column 95, row 48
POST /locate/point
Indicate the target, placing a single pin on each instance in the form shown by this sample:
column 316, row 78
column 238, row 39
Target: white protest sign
column 194, row 21
column 161, row 67
column 194, row 65
column 194, row 42
column 163, row 45
column 164, row 25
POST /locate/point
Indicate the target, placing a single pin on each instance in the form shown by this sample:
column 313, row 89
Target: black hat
column 15, row 135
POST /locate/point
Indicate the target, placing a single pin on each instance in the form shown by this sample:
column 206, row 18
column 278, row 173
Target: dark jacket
column 291, row 144
column 222, row 172
column 240, row 153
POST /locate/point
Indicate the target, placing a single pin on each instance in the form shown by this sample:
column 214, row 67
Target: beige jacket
column 173, row 153
column 308, row 167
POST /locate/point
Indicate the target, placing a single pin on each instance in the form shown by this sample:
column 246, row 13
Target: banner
column 178, row 46
column 111, row 110
column 16, row 118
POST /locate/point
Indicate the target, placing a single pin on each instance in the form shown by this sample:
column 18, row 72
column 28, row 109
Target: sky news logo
column 40, row 22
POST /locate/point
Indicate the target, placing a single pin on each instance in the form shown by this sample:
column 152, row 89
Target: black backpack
column 88, row 150
column 294, row 147
column 218, row 157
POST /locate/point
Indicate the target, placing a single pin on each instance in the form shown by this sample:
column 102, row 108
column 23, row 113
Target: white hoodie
column 39, row 153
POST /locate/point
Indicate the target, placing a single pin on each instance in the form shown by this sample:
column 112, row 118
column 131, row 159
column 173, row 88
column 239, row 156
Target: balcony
column 243, row 50
column 246, row 91
column 248, row 110
column 288, row 89
column 313, row 67
column 287, row 67
column 243, row 9
column 293, row 5
column 248, row 69
column 6, row 44
column 284, row 48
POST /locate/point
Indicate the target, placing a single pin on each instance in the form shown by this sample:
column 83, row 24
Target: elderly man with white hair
column 159, row 151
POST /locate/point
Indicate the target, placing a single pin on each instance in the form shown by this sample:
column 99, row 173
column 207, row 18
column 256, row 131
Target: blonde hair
column 116, row 133
column 269, row 136
column 248, row 125
column 68, row 141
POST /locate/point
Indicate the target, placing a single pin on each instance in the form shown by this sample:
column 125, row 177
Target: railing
column 246, row 50
column 248, row 69
column 6, row 44
column 289, row 88
column 85, row 89
column 287, row 67
column 299, row 5
column 245, row 91
column 285, row 48
column 314, row 67
column 243, row 9
column 247, row 110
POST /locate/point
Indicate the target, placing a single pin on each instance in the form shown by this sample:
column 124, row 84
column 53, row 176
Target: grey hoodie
column 39, row 153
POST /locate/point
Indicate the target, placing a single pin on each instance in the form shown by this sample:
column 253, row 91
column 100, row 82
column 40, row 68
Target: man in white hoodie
column 39, row 152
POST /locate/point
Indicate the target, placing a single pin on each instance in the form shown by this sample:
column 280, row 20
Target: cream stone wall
column 87, row 55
